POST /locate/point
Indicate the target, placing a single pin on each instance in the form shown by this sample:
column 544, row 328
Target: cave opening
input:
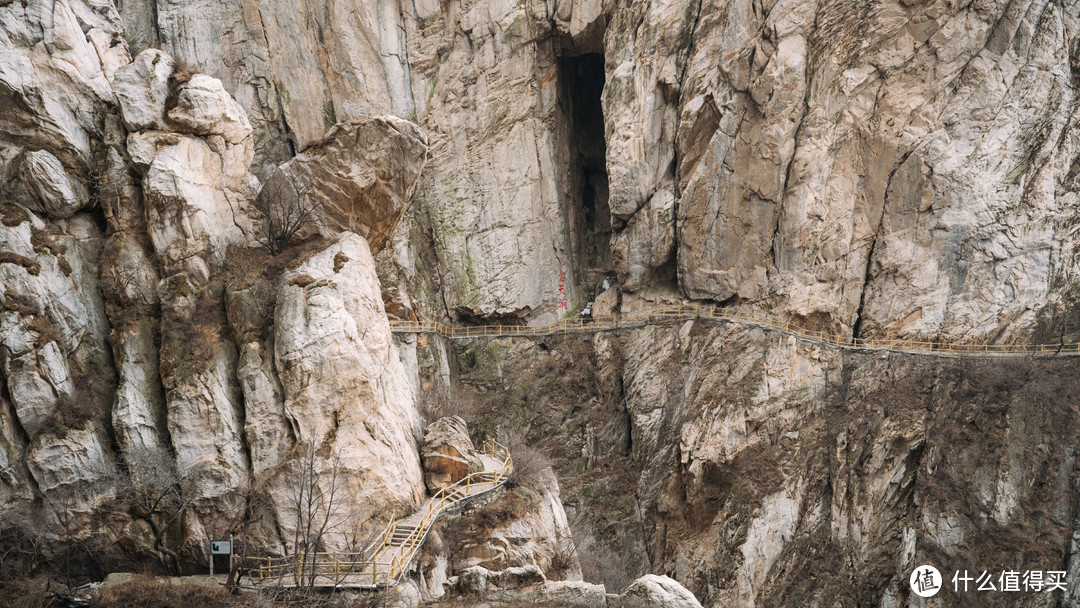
column 582, row 78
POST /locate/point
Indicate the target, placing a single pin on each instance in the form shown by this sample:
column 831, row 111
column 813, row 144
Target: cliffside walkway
column 673, row 314
column 385, row 563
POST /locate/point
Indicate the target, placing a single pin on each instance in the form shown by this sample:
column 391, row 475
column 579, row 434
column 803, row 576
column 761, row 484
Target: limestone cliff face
column 143, row 331
column 878, row 169
column 891, row 170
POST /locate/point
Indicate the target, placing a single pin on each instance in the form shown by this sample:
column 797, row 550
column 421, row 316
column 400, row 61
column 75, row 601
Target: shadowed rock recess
column 873, row 169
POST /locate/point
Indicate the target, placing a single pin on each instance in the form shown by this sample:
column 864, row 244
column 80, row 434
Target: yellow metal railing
column 667, row 314
column 336, row 568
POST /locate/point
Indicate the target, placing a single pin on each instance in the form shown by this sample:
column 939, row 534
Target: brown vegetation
column 32, row 267
column 286, row 209
column 12, row 215
column 74, row 412
column 530, row 464
column 144, row 591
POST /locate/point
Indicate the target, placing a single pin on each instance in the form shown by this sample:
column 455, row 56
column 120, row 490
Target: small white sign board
column 221, row 547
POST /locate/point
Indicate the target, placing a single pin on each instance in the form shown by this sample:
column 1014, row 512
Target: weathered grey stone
column 38, row 181
column 204, row 107
column 447, row 453
column 142, row 88
column 653, row 591
column 343, row 384
column 359, row 178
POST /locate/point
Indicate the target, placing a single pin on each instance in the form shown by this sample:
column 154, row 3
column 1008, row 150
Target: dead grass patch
column 143, row 591
column 32, row 267
column 12, row 215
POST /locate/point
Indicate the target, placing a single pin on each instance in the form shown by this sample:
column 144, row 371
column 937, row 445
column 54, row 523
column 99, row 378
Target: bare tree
column 286, row 209
column 316, row 500
column 155, row 492
column 22, row 541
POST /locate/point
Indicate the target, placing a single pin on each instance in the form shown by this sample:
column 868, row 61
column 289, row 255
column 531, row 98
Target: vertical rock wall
column 132, row 343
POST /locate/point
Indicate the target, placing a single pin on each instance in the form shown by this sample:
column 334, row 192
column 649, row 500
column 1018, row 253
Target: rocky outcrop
column 652, row 591
column 518, row 586
column 358, row 178
column 447, row 453
column 38, row 181
column 55, row 93
column 527, row 527
column 343, row 387
column 126, row 187
column 142, row 88
column 204, row 107
column 887, row 170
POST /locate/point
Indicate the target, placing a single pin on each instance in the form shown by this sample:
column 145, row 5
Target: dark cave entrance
column 582, row 79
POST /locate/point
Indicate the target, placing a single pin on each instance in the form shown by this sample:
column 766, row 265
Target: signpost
column 221, row 547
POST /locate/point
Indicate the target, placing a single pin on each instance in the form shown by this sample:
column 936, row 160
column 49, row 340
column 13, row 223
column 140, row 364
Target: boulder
column 142, row 88
column 606, row 303
column 448, row 454
column 359, row 178
column 657, row 591
column 37, row 180
column 204, row 107
column 477, row 579
column 551, row 594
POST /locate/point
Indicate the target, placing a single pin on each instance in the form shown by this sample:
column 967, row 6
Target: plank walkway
column 672, row 314
column 389, row 558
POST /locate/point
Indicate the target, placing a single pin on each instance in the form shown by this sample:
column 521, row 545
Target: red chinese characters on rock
column 564, row 303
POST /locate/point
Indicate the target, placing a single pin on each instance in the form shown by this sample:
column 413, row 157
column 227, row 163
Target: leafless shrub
column 286, row 209
column 598, row 562
column 32, row 267
column 154, row 491
column 21, row 543
column 75, row 411
column 530, row 464
column 459, row 403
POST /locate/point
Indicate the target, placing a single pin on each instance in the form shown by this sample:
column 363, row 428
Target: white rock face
column 653, row 591
column 139, row 413
column 192, row 214
column 50, row 322
column 204, row 107
column 647, row 243
column 15, row 490
column 37, row 180
column 900, row 170
column 267, row 429
column 205, row 406
column 142, row 88
column 74, row 473
column 342, row 382
column 54, row 87
column 296, row 69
